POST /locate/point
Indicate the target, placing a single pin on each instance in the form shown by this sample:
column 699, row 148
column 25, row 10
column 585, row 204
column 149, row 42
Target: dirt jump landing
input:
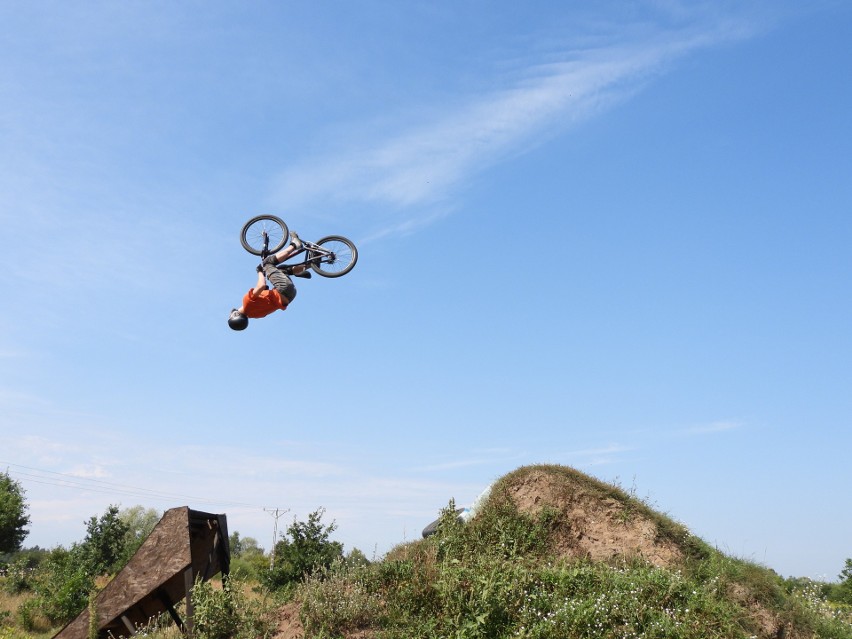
column 184, row 546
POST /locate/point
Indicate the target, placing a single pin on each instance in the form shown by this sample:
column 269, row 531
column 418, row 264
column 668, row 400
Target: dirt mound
column 601, row 522
column 593, row 520
column 597, row 521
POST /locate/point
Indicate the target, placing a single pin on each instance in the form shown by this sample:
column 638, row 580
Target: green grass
column 11, row 626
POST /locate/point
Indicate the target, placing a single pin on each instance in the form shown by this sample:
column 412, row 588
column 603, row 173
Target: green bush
column 21, row 571
column 227, row 613
column 8, row 632
column 249, row 567
column 247, row 558
column 303, row 549
column 338, row 600
column 61, row 585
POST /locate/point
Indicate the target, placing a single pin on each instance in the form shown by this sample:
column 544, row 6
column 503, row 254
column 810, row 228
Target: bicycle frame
column 314, row 253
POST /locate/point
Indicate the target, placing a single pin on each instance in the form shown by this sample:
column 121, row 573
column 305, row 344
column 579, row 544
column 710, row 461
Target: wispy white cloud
column 89, row 472
column 719, row 426
column 409, row 174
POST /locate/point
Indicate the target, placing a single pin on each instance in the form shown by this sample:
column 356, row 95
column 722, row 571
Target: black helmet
column 237, row 320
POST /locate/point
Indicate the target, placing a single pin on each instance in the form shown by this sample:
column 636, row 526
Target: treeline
column 61, row 579
column 51, row 587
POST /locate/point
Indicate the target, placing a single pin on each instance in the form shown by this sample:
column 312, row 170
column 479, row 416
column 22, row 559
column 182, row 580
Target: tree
column 356, row 559
column 140, row 521
column 243, row 546
column 303, row 549
column 249, row 547
column 845, row 587
column 103, row 551
column 235, row 544
column 247, row 558
column 13, row 515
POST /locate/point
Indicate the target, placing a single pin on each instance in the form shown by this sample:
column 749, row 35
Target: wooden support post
column 164, row 599
column 127, row 624
column 188, row 582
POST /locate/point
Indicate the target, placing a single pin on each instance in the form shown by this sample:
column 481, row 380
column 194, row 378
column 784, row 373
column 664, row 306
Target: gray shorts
column 281, row 282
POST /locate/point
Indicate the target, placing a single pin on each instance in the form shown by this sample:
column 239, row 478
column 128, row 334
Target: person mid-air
column 261, row 301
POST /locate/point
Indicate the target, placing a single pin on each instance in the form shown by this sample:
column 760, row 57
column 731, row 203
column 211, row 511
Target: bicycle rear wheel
column 251, row 236
column 339, row 261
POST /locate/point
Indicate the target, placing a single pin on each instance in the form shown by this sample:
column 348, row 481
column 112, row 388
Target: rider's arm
column 261, row 283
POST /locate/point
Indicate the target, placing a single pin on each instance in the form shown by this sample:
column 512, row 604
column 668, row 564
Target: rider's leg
column 285, row 253
column 282, row 283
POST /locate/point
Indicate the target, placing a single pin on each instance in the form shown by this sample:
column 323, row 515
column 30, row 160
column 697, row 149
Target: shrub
column 7, row 632
column 249, row 567
column 227, row 613
column 61, row 586
column 303, row 549
column 338, row 600
column 21, row 572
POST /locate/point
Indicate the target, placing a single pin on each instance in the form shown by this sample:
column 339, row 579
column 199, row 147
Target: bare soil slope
column 598, row 522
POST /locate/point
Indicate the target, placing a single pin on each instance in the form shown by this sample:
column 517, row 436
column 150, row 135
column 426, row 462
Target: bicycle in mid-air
column 332, row 256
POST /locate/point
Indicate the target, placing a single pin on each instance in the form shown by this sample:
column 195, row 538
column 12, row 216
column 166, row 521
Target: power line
column 63, row 480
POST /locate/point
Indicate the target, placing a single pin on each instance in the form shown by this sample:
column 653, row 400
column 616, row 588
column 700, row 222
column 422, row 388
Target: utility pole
column 276, row 514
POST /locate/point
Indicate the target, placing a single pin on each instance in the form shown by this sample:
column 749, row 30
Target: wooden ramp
column 184, row 546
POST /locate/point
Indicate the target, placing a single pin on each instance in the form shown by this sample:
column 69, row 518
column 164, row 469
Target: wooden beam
column 188, row 582
column 164, row 599
column 128, row 624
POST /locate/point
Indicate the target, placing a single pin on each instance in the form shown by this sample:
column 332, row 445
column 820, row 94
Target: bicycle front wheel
column 252, row 234
column 337, row 258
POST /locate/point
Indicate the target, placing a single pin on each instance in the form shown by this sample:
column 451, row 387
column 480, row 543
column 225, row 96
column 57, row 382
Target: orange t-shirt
column 263, row 303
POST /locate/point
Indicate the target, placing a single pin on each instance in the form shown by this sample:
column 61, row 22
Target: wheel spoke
column 341, row 258
column 252, row 234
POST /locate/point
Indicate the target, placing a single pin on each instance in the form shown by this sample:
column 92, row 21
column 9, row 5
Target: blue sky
column 614, row 238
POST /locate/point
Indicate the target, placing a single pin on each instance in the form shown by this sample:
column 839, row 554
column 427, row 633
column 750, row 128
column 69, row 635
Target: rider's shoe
column 305, row 274
column 295, row 242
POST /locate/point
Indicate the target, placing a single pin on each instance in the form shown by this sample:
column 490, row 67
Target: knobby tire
column 251, row 236
column 345, row 257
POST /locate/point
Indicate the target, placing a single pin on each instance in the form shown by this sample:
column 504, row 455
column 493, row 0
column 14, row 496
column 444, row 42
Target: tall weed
column 227, row 613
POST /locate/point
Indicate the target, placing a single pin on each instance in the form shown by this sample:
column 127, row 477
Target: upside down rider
column 261, row 300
